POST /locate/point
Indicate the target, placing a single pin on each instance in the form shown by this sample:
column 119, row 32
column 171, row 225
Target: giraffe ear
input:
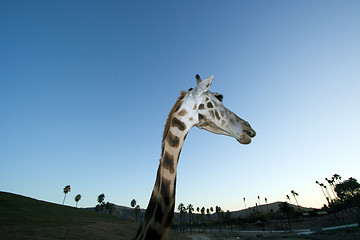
column 198, row 79
column 205, row 84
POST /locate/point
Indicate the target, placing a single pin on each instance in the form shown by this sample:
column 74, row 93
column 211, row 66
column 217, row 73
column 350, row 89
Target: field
column 26, row 218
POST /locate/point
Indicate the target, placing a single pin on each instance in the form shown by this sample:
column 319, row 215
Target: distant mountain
column 266, row 208
column 128, row 213
column 123, row 212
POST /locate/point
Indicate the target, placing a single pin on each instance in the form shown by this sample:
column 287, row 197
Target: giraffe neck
column 160, row 210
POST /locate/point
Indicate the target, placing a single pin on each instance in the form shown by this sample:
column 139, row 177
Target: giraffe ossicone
column 201, row 108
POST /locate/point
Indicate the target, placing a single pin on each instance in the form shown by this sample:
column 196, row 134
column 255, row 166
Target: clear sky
column 86, row 87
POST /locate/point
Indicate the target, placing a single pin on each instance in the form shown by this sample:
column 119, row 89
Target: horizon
column 176, row 211
column 86, row 88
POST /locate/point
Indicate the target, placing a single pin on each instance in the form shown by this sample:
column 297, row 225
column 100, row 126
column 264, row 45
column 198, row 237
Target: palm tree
column 331, row 184
column 208, row 213
column 203, row 215
column 190, row 209
column 198, row 212
column 296, row 194
column 336, row 177
column 110, row 207
column 288, row 198
column 327, row 191
column 182, row 210
column 77, row 199
column 181, row 207
column 259, row 204
column 218, row 211
column 133, row 203
column 101, row 202
column 202, row 210
column 136, row 208
column 269, row 214
column 320, row 184
column 245, row 205
column 101, row 198
column 266, row 201
column 287, row 210
column 328, row 196
column 208, row 216
column 227, row 219
column 67, row 189
column 137, row 211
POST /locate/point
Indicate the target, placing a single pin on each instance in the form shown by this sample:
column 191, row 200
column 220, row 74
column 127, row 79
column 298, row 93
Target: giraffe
column 201, row 108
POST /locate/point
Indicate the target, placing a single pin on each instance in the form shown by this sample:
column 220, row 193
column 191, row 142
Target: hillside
column 26, row 218
column 127, row 213
column 266, row 208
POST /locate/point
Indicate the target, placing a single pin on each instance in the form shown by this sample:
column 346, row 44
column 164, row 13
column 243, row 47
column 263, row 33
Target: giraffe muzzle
column 245, row 137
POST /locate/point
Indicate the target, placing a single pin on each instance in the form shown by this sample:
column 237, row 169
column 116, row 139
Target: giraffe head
column 210, row 114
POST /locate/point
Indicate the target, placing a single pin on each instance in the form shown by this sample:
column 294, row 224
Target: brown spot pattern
column 201, row 117
column 182, row 112
column 209, row 105
column 168, row 162
column 165, row 191
column 201, row 106
column 175, row 107
column 179, row 124
column 173, row 140
column 217, row 115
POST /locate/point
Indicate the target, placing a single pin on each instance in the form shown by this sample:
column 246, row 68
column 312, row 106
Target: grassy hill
column 266, row 208
column 26, row 218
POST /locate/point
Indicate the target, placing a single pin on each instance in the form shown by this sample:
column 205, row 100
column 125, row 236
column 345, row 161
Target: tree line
column 66, row 190
column 343, row 195
column 339, row 195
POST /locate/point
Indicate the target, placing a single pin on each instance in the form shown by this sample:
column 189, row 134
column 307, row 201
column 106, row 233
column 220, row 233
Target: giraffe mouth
column 245, row 137
column 250, row 133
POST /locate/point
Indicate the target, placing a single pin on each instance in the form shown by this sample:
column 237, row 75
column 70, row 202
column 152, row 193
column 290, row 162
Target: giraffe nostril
column 251, row 134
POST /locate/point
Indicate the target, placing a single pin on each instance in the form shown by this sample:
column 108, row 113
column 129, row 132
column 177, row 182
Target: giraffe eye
column 219, row 97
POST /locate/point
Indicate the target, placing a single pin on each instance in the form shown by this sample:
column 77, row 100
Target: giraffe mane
column 174, row 109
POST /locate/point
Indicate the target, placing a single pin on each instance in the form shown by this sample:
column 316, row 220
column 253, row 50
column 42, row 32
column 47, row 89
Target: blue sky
column 86, row 86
